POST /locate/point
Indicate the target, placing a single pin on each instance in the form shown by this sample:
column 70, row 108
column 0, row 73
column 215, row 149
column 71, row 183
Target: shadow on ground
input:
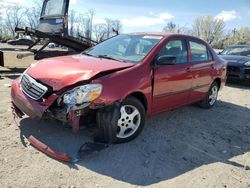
column 238, row 84
column 171, row 144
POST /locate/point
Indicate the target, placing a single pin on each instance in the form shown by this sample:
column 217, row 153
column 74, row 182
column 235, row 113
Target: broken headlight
column 82, row 94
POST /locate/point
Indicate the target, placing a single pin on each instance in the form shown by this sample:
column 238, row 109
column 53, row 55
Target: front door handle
column 188, row 69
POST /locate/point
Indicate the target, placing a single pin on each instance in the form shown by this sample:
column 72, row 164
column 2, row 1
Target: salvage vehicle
column 238, row 62
column 117, row 83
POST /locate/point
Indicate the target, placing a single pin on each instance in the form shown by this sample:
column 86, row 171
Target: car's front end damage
column 70, row 99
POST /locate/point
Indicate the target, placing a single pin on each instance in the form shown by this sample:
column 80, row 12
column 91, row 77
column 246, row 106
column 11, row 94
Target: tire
column 211, row 98
column 121, row 123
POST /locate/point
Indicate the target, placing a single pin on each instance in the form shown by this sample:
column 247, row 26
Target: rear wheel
column 211, row 97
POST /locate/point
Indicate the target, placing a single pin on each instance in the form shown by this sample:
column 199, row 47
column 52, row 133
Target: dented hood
column 64, row 71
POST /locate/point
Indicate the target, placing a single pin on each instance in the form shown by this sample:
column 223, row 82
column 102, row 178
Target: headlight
column 82, row 94
column 247, row 63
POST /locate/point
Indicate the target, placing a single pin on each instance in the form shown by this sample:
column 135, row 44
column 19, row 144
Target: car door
column 202, row 65
column 172, row 83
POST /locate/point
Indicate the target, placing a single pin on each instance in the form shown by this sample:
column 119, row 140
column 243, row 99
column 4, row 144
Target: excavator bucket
column 54, row 17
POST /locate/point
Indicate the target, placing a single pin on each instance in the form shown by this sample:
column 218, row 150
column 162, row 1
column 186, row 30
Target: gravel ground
column 187, row 147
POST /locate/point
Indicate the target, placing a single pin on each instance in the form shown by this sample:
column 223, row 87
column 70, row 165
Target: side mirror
column 166, row 60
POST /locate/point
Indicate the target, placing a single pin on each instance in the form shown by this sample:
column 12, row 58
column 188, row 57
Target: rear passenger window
column 199, row 52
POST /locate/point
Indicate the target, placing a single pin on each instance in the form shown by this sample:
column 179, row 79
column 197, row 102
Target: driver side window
column 175, row 48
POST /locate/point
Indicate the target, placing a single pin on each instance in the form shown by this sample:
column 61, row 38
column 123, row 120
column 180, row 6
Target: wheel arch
column 218, row 81
column 141, row 97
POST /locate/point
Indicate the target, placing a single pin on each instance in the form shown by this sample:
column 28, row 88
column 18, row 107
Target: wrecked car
column 117, row 83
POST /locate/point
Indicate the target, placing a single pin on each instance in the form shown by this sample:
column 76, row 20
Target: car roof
column 163, row 34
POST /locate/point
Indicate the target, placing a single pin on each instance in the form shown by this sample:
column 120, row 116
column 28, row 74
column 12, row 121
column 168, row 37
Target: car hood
column 235, row 59
column 64, row 71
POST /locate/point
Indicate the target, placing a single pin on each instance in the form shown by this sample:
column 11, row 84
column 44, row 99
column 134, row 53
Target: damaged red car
column 117, row 83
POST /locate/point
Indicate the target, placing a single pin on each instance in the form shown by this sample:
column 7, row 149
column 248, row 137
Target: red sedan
column 117, row 83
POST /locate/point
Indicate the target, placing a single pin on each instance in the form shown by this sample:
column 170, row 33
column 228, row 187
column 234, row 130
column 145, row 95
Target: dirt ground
column 187, row 147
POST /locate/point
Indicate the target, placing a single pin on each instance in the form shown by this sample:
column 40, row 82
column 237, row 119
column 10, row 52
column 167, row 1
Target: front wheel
column 131, row 120
column 211, row 96
column 122, row 123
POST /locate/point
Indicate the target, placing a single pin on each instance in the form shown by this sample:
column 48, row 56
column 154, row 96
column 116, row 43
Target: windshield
column 131, row 48
column 237, row 50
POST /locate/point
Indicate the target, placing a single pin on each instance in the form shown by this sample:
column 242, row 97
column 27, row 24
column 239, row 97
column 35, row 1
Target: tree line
column 79, row 24
column 208, row 28
column 213, row 31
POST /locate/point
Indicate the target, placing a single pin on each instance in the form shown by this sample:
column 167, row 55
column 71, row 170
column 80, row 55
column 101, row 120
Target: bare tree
column 80, row 25
column 35, row 13
column 171, row 27
column 32, row 17
column 109, row 30
column 1, row 26
column 14, row 18
column 99, row 31
column 209, row 28
column 106, row 30
column 89, row 23
column 72, row 22
column 239, row 36
column 117, row 26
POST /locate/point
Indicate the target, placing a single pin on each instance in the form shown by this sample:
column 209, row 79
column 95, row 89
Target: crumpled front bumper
column 22, row 104
column 85, row 149
column 28, row 106
column 38, row 144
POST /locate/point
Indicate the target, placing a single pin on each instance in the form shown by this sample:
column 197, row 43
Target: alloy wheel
column 213, row 95
column 129, row 121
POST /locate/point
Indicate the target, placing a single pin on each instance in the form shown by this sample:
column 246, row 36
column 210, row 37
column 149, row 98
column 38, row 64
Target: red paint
column 60, row 72
column 41, row 146
column 47, row 150
column 74, row 121
column 165, row 88
column 32, row 108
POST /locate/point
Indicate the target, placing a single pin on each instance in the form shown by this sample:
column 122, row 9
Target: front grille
column 233, row 71
column 32, row 88
column 247, row 71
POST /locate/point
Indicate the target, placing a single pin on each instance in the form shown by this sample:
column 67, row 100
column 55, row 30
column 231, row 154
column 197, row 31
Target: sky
column 142, row 15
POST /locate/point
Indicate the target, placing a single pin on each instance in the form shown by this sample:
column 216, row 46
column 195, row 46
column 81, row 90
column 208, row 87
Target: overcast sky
column 142, row 15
